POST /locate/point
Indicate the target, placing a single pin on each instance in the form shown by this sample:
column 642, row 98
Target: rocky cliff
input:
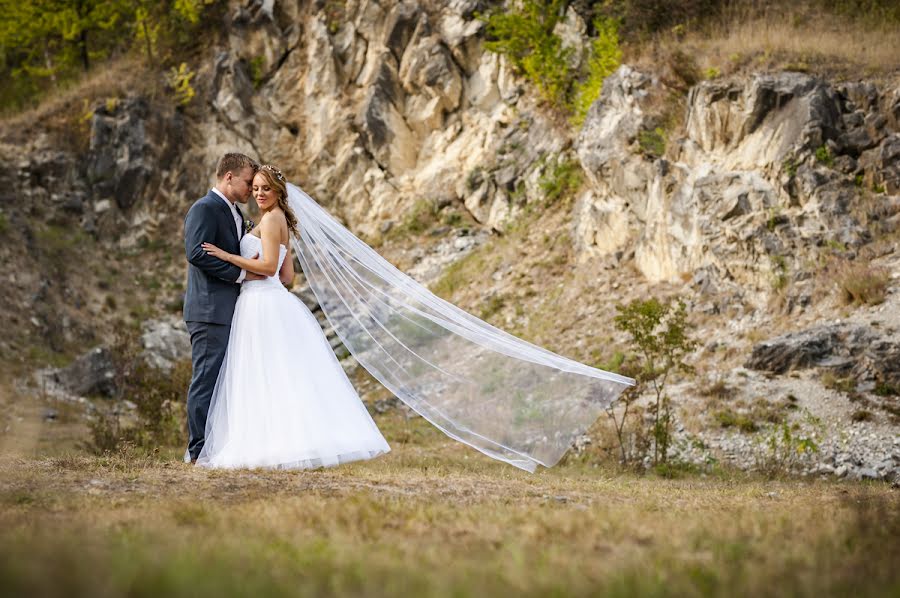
column 745, row 195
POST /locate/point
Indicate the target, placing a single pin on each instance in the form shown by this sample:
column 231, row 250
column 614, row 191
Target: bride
column 282, row 399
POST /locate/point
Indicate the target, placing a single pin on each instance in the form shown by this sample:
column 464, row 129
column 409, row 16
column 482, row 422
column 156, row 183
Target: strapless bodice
column 251, row 245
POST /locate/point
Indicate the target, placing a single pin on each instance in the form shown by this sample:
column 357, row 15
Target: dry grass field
column 432, row 518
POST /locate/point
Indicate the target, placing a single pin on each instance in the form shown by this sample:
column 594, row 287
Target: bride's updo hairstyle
column 278, row 183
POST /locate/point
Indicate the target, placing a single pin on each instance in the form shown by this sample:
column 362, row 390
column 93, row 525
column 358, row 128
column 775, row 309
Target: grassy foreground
column 432, row 518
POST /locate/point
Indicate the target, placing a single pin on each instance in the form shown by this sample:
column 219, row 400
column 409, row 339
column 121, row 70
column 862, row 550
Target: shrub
column 859, row 283
column 652, row 143
column 561, row 180
column 886, row 389
column 823, row 156
column 474, row 179
column 420, row 218
column 158, row 397
column 728, row 418
column 256, row 71
column 525, row 36
column 605, row 57
column 779, row 272
column 660, row 339
column 179, row 80
column 786, row 446
column 862, row 415
column 833, row 382
column 789, row 165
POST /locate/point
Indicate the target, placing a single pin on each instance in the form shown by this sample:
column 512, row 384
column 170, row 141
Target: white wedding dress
column 282, row 399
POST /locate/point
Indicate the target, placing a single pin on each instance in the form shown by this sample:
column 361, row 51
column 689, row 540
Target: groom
column 213, row 285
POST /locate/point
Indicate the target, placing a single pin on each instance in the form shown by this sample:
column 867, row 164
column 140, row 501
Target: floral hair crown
column 275, row 172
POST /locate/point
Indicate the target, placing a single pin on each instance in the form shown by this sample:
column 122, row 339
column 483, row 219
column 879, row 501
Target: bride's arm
column 267, row 266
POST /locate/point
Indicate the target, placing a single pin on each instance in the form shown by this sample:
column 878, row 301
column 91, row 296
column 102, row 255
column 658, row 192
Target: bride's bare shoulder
column 274, row 216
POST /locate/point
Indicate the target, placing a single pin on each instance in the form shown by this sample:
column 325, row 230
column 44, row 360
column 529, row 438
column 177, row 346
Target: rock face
column 385, row 106
column 848, row 349
column 106, row 187
column 768, row 169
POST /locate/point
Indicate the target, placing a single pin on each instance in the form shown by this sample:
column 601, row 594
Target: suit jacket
column 211, row 287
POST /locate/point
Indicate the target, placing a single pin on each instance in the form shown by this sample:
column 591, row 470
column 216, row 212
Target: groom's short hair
column 234, row 162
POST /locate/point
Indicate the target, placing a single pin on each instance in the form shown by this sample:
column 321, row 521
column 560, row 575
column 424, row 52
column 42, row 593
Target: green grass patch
column 653, row 142
column 562, row 179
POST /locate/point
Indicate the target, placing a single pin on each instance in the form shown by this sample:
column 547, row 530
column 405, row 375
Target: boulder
column 165, row 342
column 92, row 374
column 853, row 350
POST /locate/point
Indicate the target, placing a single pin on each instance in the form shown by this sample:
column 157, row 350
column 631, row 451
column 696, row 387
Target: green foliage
column 876, row 12
column 561, row 180
column 46, row 43
column 525, row 36
column 256, row 70
column 179, row 79
column 652, row 143
column 728, row 418
column 712, row 73
column 788, row 445
column 52, row 40
column 886, row 389
column 474, row 179
column 641, row 18
column 494, row 304
column 190, row 10
column 659, row 336
column 614, row 363
column 823, row 156
column 605, row 58
column 779, row 271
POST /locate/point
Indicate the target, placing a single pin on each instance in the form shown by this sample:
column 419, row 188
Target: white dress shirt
column 238, row 223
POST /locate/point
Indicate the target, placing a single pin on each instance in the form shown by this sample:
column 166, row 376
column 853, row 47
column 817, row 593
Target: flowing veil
column 503, row 396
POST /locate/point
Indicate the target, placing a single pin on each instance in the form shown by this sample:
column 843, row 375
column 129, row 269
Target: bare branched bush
column 158, row 398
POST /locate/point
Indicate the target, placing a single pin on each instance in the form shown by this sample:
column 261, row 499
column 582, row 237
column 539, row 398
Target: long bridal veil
column 503, row 396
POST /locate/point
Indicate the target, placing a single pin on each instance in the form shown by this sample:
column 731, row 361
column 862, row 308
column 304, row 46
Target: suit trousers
column 208, row 345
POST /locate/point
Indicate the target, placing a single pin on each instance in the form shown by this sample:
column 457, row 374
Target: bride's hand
column 216, row 252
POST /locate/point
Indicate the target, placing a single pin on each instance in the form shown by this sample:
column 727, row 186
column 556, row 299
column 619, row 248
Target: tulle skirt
column 282, row 399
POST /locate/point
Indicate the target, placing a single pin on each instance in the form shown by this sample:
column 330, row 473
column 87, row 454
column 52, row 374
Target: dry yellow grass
column 432, row 518
column 787, row 36
column 67, row 105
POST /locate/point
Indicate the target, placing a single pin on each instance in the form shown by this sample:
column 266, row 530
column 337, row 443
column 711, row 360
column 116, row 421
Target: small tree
column 660, row 338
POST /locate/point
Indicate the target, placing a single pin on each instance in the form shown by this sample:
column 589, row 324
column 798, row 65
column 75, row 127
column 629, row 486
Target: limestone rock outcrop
column 768, row 169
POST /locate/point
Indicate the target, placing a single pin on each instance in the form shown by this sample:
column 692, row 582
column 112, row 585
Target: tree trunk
column 83, row 42
column 147, row 39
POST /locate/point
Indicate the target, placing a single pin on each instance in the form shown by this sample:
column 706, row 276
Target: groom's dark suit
column 212, row 291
